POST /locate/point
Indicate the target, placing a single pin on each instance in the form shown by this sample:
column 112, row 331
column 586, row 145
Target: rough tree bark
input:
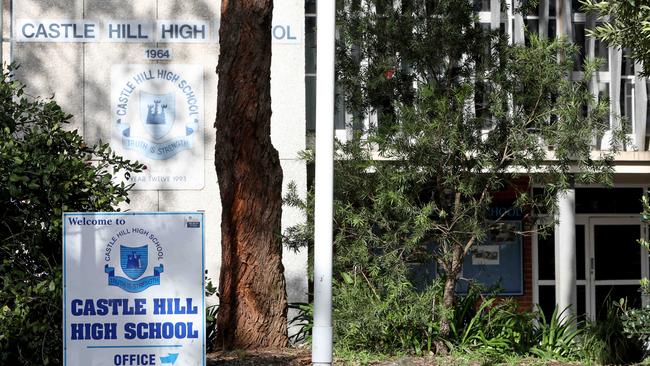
column 252, row 294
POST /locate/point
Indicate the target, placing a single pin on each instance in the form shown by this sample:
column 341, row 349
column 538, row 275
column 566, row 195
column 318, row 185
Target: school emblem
column 156, row 112
column 134, row 262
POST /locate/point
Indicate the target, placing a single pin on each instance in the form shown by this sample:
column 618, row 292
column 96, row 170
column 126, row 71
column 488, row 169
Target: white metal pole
column 323, row 216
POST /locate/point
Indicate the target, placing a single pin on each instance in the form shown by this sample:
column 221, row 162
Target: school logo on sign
column 134, row 262
column 157, row 113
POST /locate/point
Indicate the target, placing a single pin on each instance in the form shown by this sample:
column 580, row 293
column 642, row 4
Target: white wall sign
column 133, row 289
column 157, row 119
column 66, row 30
column 137, row 31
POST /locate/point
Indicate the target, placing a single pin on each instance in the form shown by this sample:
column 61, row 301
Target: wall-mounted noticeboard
column 497, row 263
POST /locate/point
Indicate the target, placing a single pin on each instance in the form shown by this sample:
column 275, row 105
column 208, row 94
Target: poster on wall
column 497, row 262
column 133, row 289
column 157, row 119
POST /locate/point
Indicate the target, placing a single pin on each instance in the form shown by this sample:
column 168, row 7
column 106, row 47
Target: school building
column 141, row 75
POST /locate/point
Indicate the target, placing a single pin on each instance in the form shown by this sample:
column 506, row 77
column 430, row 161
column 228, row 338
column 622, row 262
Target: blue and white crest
column 134, row 260
column 157, row 113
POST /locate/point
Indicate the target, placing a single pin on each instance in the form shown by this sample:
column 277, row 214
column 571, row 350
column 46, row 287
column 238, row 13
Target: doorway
column 609, row 264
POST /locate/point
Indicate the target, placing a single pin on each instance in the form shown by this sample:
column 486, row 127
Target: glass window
column 481, row 104
column 551, row 29
column 576, row 6
column 482, row 5
column 551, row 8
column 627, row 103
column 602, row 52
column 546, row 256
column 617, row 253
column 608, row 200
column 627, row 67
column 579, row 39
column 533, row 10
column 609, row 293
column 532, row 27
column 603, row 92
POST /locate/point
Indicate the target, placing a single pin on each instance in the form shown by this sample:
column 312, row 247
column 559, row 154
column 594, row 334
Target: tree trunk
column 252, row 294
column 449, row 297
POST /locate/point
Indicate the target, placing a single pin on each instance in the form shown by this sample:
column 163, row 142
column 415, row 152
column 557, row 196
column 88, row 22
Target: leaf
column 347, row 278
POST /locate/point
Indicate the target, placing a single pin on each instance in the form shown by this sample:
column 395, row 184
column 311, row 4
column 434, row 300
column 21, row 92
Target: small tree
column 45, row 170
column 461, row 115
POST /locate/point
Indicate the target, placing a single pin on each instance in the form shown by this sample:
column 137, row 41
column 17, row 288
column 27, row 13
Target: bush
column 497, row 328
column 557, row 336
column 392, row 319
column 612, row 339
column 44, row 171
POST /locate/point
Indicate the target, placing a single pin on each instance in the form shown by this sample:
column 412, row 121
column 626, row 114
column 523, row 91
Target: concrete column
column 565, row 253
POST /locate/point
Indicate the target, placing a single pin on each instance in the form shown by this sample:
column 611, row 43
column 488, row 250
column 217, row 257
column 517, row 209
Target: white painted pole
column 323, row 216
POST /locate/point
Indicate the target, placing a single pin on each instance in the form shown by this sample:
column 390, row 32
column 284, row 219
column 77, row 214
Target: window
column 627, row 65
column 602, row 52
column 579, row 34
column 627, row 104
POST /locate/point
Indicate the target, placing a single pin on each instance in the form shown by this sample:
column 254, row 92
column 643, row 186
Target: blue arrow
column 170, row 358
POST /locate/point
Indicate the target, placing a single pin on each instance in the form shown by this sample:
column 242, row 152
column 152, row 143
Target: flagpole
column 324, row 185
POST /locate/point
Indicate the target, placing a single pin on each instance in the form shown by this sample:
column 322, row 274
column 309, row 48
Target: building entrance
column 609, row 264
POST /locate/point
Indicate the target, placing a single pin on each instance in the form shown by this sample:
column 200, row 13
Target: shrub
column 610, row 339
column 557, row 336
column 497, row 327
column 45, row 170
column 392, row 319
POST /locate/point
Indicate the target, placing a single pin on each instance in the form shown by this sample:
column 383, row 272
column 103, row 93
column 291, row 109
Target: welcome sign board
column 133, row 289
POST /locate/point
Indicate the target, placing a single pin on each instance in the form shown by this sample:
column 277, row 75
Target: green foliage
column 609, row 340
column 557, row 335
column 211, row 312
column 45, row 170
column 626, row 24
column 461, row 115
column 497, row 328
column 636, row 322
column 303, row 321
column 383, row 319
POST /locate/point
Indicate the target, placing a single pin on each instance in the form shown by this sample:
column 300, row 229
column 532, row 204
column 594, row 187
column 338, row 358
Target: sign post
column 133, row 289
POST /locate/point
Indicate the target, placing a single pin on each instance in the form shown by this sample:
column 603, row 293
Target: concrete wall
column 78, row 75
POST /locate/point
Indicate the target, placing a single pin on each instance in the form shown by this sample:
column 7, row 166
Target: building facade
column 592, row 254
column 141, row 76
